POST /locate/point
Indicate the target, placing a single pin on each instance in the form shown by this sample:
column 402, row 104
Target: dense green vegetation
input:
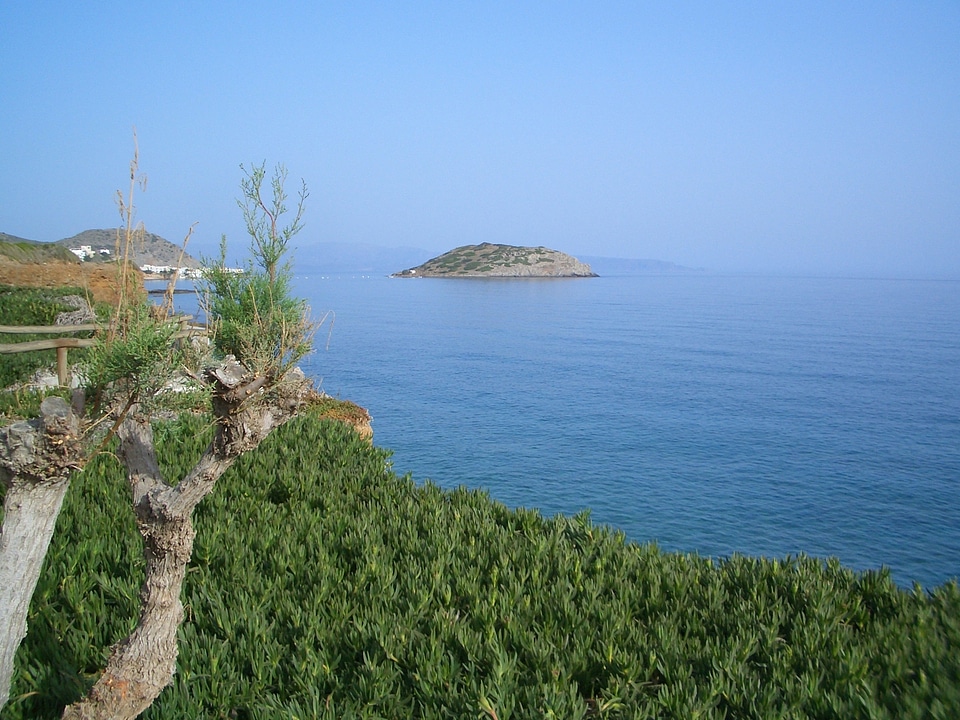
column 323, row 585
column 31, row 306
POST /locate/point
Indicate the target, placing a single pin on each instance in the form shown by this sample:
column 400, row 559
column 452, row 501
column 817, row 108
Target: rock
column 81, row 314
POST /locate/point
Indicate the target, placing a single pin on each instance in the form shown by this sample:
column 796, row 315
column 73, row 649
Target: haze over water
column 710, row 414
column 777, row 138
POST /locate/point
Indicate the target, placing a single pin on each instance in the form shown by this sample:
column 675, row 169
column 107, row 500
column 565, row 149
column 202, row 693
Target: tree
column 259, row 332
column 269, row 241
column 38, row 457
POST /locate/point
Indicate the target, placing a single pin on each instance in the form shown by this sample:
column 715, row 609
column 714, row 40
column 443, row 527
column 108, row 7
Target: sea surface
column 710, row 414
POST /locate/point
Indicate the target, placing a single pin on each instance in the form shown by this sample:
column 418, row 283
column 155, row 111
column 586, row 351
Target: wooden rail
column 46, row 329
column 62, row 344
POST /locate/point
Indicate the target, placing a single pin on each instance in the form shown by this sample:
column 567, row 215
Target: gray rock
column 80, row 315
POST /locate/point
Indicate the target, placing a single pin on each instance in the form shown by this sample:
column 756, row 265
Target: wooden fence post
column 61, row 344
column 62, row 366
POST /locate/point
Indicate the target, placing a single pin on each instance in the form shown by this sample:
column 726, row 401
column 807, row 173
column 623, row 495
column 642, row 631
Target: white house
column 82, row 252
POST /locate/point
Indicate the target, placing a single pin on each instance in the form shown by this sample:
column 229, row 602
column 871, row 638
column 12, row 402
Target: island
column 490, row 260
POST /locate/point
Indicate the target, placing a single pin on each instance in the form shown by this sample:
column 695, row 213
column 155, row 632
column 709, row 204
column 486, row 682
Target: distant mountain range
column 358, row 258
column 630, row 266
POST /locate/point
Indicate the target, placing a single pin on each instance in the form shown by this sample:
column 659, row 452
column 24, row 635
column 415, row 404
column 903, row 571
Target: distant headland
column 88, row 260
column 151, row 253
column 500, row 261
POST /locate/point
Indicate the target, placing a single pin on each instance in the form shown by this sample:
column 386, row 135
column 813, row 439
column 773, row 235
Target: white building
column 157, row 269
column 86, row 251
column 82, row 252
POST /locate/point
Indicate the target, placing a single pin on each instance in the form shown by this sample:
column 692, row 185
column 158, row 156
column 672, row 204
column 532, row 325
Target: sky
column 761, row 137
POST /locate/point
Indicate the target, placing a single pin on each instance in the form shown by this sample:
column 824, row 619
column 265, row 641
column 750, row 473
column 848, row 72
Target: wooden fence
column 62, row 344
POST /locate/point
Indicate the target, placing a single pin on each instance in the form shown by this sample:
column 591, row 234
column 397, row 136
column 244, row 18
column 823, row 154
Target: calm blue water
column 766, row 416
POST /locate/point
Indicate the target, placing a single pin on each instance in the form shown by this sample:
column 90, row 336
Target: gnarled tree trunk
column 36, row 460
column 143, row 664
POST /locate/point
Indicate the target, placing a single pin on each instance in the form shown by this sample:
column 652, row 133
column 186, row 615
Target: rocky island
column 500, row 261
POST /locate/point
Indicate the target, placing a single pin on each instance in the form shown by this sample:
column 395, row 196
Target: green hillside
column 154, row 250
column 30, row 251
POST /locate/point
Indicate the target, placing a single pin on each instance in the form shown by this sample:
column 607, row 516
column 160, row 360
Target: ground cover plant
column 364, row 595
column 31, row 306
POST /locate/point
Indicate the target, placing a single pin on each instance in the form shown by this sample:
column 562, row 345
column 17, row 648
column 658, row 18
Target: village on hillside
column 89, row 253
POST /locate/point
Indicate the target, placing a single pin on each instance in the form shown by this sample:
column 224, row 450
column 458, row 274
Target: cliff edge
column 500, row 261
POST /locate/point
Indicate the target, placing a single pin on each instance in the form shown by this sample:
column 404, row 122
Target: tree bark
column 144, row 663
column 36, row 459
column 29, row 517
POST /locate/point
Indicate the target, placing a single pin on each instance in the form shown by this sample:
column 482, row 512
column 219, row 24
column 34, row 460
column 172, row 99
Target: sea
column 709, row 414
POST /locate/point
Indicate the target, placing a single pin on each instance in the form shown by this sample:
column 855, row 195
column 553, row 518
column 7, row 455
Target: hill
column 154, row 250
column 365, row 258
column 493, row 260
column 20, row 250
column 28, row 263
column 4, row 237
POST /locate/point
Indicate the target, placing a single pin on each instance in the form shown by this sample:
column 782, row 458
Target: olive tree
column 259, row 332
column 38, row 457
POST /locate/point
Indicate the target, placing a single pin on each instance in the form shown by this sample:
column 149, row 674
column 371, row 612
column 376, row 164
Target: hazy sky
column 746, row 136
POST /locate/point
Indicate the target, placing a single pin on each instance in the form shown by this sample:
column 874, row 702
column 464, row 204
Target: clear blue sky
column 745, row 136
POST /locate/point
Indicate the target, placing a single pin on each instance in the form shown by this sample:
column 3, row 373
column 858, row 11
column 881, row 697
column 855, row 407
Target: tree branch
column 139, row 456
